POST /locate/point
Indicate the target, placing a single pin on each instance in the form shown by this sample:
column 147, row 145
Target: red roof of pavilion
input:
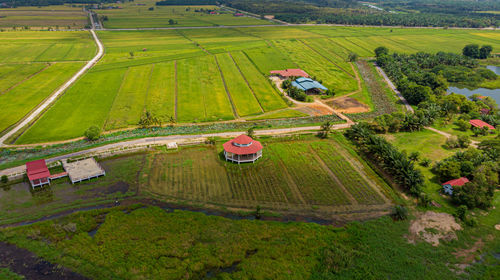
column 37, row 169
column 457, row 182
column 250, row 146
column 480, row 124
column 291, row 73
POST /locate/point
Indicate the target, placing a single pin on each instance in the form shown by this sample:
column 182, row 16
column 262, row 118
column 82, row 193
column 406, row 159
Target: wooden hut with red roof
column 448, row 186
column 481, row 124
column 242, row 149
column 38, row 173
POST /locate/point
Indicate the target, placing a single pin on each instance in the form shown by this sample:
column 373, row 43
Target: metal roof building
column 306, row 84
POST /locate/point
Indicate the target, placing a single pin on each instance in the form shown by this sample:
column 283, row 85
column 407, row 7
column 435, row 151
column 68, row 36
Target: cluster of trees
column 294, row 92
column 473, row 51
column 387, row 156
column 422, row 76
column 481, row 166
column 148, row 120
column 353, row 12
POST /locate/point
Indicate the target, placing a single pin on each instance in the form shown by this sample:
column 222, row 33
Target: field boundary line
column 358, row 166
column 114, row 97
column 44, row 51
column 331, row 61
column 27, row 119
column 176, row 90
column 70, row 49
column 325, row 167
column 339, row 45
column 149, row 86
column 26, row 79
column 235, row 113
column 276, row 91
column 246, row 81
column 345, row 38
column 294, row 188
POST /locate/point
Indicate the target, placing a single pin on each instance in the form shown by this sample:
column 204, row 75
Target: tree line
column 425, row 77
column 389, row 158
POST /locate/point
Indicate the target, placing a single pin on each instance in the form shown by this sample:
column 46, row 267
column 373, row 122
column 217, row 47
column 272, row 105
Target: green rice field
column 201, row 75
column 34, row 64
column 136, row 14
column 305, row 174
column 56, row 17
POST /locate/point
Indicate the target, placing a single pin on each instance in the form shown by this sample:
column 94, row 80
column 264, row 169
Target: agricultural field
column 33, row 64
column 137, row 14
column 205, row 75
column 55, row 17
column 291, row 175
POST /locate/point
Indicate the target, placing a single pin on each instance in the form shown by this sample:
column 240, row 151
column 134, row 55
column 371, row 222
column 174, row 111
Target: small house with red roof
column 287, row 73
column 448, row 186
column 242, row 149
column 238, row 14
column 38, row 173
column 481, row 124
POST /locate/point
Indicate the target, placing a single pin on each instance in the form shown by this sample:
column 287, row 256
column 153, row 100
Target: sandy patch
column 348, row 105
column 497, row 227
column 432, row 227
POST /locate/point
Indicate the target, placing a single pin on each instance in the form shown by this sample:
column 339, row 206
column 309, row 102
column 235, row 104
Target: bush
column 426, row 162
column 461, row 212
column 400, row 213
column 93, row 133
column 424, row 200
column 452, row 143
column 463, row 141
column 463, row 125
column 4, row 179
column 472, row 222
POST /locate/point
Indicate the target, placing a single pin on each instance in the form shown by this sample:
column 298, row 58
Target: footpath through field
column 168, row 139
column 56, row 94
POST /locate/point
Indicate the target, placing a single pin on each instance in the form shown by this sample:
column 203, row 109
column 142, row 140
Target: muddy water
column 27, row 264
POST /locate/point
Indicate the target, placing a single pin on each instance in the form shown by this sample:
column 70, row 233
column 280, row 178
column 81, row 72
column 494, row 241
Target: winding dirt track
column 33, row 115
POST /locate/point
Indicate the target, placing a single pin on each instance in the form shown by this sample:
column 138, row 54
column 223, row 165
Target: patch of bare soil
column 432, row 227
column 27, row 264
column 348, row 105
column 497, row 227
column 468, row 255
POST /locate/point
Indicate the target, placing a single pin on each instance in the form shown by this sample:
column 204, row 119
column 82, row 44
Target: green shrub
column 4, row 179
column 93, row 133
column 400, row 213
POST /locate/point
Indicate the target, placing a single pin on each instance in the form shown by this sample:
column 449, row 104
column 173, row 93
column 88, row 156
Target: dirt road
column 391, row 85
column 33, row 115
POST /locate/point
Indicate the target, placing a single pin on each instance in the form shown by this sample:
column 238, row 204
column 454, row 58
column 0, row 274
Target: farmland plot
column 289, row 173
column 20, row 100
column 15, row 74
column 161, row 94
column 85, row 104
column 352, row 180
column 242, row 96
column 269, row 58
column 28, row 46
column 201, row 94
column 268, row 97
column 129, row 102
column 316, row 65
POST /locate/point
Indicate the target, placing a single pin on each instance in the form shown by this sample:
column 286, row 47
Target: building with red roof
column 242, row 149
column 287, row 73
column 38, row 173
column 448, row 186
column 481, row 124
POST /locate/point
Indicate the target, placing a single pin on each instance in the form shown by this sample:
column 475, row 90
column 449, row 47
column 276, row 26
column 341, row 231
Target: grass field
column 183, row 244
column 137, row 14
column 303, row 174
column 57, row 17
column 213, row 74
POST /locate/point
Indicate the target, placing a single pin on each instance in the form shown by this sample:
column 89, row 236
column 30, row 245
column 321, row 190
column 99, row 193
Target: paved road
column 172, row 138
column 56, row 94
column 391, row 85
